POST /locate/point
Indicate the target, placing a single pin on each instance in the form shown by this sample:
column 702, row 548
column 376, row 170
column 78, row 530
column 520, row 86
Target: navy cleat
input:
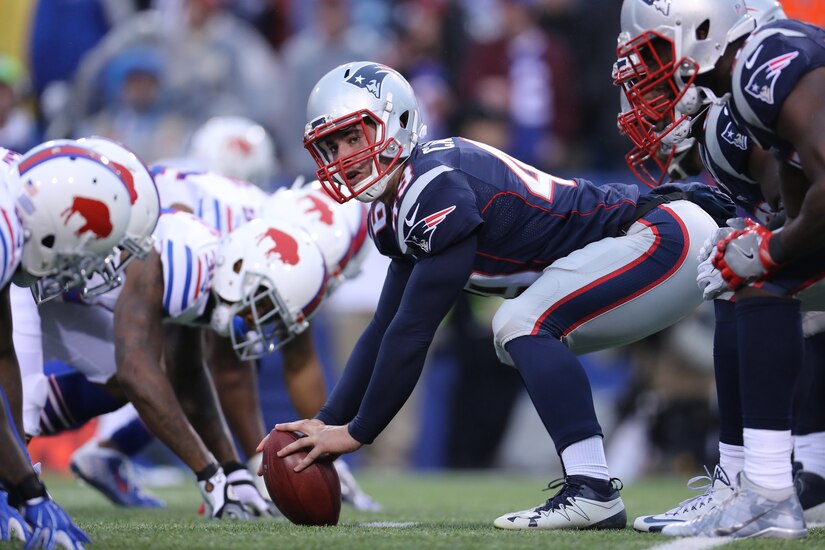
column 717, row 490
column 581, row 503
column 810, row 488
column 110, row 472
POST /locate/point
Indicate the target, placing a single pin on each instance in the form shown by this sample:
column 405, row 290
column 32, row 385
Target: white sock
column 768, row 457
column 586, row 458
column 810, row 451
column 731, row 459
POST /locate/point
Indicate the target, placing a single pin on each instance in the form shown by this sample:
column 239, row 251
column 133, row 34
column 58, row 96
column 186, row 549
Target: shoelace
column 569, row 488
column 698, row 501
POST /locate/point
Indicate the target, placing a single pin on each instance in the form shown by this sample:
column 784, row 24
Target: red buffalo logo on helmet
column 94, row 212
column 284, row 245
column 240, row 144
column 325, row 213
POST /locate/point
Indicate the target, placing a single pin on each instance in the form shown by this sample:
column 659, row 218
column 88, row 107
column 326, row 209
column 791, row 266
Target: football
column 310, row 497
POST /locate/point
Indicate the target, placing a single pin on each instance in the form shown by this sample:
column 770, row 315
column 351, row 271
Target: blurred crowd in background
column 530, row 77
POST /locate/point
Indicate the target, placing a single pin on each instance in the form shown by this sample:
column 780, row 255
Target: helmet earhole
column 703, row 30
column 47, row 241
column 405, row 116
column 238, row 265
column 346, row 74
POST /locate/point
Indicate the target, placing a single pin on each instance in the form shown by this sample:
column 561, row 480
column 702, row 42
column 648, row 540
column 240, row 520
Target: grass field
column 449, row 511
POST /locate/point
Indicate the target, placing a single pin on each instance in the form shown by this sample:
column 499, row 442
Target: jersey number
column 537, row 182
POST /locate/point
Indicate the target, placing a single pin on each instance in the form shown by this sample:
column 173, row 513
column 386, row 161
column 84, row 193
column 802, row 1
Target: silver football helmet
column 362, row 94
column 765, row 11
column 663, row 46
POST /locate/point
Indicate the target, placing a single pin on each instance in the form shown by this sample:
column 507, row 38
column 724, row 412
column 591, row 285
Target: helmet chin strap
column 377, row 189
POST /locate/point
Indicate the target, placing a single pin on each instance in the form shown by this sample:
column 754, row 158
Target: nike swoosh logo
column 752, row 59
column 411, row 220
column 727, row 531
column 748, row 255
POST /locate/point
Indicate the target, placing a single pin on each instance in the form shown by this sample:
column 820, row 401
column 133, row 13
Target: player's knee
column 508, row 323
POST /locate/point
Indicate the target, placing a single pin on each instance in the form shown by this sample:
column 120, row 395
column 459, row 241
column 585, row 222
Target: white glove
column 219, row 498
column 242, row 483
column 709, row 246
column 711, row 282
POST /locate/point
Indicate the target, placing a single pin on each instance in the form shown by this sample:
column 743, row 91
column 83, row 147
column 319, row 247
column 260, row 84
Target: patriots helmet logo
column 763, row 80
column 735, row 138
column 370, row 77
column 661, row 5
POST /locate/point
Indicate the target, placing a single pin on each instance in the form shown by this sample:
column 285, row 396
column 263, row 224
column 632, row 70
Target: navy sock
column 770, row 359
column 130, row 438
column 809, row 413
column 558, row 387
column 73, row 401
column 726, row 366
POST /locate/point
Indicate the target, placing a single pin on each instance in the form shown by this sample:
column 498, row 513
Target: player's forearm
column 238, row 394
column 14, row 464
column 307, row 390
column 804, row 234
column 151, row 393
column 345, row 399
column 12, row 385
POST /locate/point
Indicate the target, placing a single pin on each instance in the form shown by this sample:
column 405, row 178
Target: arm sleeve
column 342, row 404
column 431, row 290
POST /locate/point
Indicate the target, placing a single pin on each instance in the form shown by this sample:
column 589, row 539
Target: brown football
column 309, row 497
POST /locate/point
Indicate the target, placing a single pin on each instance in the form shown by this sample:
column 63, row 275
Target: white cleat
column 717, row 490
column 581, row 503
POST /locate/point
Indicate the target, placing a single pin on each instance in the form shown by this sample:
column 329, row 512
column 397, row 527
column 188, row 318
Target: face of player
column 348, row 141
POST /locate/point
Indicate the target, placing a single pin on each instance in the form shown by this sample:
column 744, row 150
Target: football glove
column 12, row 524
column 51, row 526
column 219, row 498
column 711, row 283
column 244, row 486
column 743, row 256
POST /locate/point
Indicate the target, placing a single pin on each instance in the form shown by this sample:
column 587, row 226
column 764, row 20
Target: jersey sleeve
column 767, row 69
column 435, row 216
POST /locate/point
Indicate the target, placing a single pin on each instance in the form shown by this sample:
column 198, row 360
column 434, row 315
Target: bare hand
column 320, row 440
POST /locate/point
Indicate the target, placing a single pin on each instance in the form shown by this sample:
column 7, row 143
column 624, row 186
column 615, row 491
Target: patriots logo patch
column 737, row 139
column 420, row 233
column 661, row 5
column 763, row 80
column 370, row 77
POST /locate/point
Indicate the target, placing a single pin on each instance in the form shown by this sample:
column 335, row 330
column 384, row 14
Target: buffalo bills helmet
column 269, row 280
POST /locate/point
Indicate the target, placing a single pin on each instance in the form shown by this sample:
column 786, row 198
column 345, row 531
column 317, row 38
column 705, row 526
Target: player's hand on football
column 12, row 524
column 743, row 256
column 51, row 526
column 321, row 440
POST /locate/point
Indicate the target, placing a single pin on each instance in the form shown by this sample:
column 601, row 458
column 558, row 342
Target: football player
column 65, row 209
column 681, row 58
column 584, row 267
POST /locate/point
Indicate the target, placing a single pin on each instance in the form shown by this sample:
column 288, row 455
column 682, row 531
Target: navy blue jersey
column 725, row 152
column 774, row 58
column 524, row 219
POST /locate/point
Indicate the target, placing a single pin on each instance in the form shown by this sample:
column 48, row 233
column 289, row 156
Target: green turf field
column 451, row 511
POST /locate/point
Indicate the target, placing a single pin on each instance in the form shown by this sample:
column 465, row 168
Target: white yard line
column 693, row 543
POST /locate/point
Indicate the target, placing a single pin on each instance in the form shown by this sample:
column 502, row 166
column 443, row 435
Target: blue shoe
column 111, row 473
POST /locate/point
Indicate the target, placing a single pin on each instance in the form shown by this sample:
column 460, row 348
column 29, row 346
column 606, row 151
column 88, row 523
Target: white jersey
column 187, row 248
column 11, row 231
column 223, row 203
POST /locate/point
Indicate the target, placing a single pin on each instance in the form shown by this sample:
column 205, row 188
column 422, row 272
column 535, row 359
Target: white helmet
column 316, row 213
column 143, row 193
column 75, row 209
column 356, row 94
column 765, row 11
column 274, row 271
column 663, row 46
column 236, row 147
